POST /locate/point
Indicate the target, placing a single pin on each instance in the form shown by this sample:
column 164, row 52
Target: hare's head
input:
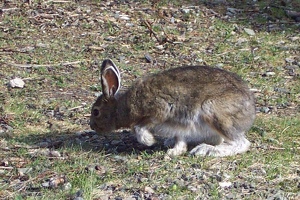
column 103, row 114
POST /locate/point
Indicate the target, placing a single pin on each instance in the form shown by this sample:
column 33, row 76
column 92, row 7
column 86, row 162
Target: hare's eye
column 96, row 112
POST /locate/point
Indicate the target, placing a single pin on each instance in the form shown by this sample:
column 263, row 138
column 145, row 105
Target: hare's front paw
column 179, row 148
column 144, row 136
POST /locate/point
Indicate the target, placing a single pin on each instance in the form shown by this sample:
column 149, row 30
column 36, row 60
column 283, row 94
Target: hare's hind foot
column 226, row 148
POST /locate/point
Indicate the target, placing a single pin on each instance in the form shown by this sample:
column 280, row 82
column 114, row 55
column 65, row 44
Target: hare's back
column 203, row 80
column 180, row 92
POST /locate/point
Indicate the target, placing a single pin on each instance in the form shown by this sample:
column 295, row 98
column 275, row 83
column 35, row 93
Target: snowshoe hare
column 207, row 108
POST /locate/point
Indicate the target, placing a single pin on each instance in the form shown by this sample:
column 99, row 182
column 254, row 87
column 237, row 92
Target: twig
column 74, row 108
column 48, row 65
column 46, row 16
column 285, row 129
column 281, row 148
column 95, row 48
column 168, row 38
column 7, row 168
column 33, row 79
column 10, row 9
column 151, row 31
column 57, row 1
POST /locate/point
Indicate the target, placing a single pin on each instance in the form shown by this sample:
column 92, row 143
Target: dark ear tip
column 106, row 62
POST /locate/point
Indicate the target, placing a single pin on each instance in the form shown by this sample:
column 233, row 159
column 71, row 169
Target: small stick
column 151, row 31
column 48, row 65
column 8, row 168
column 74, row 108
column 281, row 148
column 56, row 1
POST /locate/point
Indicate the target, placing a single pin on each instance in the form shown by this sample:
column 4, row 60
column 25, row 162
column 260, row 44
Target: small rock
column 236, row 184
column 4, row 163
column 268, row 74
column 199, row 60
column 172, row 20
column 272, row 140
column 149, row 190
column 252, row 185
column 291, row 67
column 23, row 171
column 78, row 198
column 79, row 193
column 219, row 65
column 43, row 144
column 67, row 186
column 104, row 197
column 124, row 17
column 8, row 128
column 115, row 142
column 289, row 60
column 277, row 196
column 231, row 11
column 282, row 90
column 50, row 113
column 293, row 39
column 160, row 47
column 129, row 24
column 120, row 158
column 132, row 198
column 109, row 38
column 249, row 31
column 42, row 45
column 265, row 109
column 241, row 40
column 148, row 58
column 54, row 154
column 46, row 184
column 142, row 180
column 225, row 184
column 16, row 82
column 27, row 49
column 192, row 188
column 185, row 10
column 219, row 178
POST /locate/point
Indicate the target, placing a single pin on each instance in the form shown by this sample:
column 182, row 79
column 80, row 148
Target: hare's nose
column 92, row 125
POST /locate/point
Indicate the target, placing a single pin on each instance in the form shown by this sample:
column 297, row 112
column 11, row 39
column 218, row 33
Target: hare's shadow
column 120, row 142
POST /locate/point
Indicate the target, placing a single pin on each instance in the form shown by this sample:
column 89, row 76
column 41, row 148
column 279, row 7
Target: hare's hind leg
column 226, row 148
column 230, row 120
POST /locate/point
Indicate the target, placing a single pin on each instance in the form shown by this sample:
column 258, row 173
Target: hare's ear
column 110, row 78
